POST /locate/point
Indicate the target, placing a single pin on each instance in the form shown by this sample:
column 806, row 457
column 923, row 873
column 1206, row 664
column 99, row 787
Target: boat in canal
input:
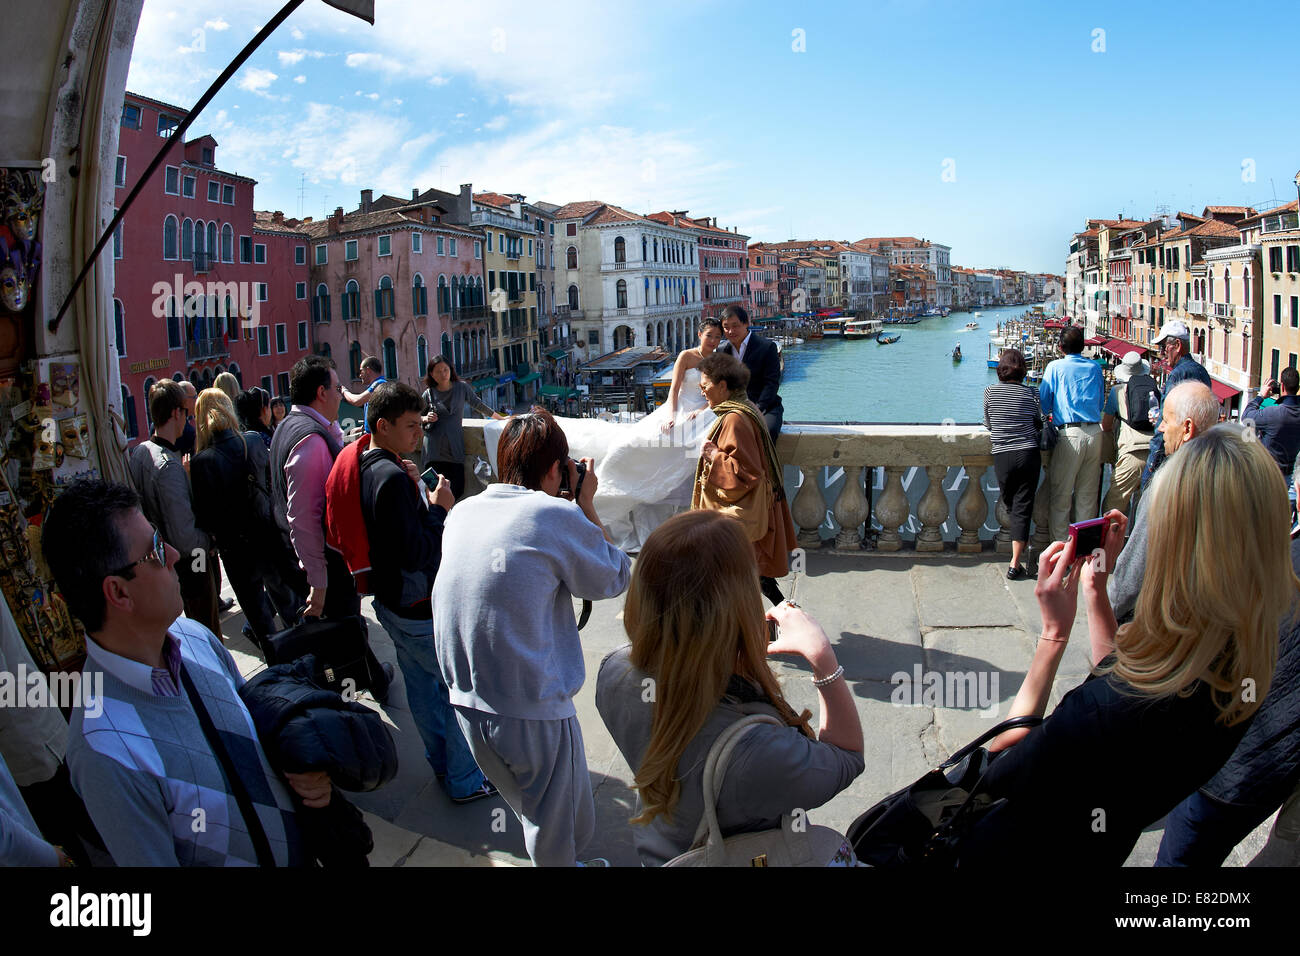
column 863, row 329
column 956, row 354
column 883, row 339
column 972, row 326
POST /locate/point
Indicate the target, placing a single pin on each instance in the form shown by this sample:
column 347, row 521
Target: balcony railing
column 889, row 488
column 617, row 264
column 1196, row 306
column 198, row 350
column 201, row 261
column 476, row 313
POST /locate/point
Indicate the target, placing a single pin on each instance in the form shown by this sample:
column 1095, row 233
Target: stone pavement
column 884, row 613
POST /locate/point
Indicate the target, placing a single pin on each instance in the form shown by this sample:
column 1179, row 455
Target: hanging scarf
column 769, row 447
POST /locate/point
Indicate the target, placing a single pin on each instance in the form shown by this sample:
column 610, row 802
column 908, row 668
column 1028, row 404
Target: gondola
column 883, row 339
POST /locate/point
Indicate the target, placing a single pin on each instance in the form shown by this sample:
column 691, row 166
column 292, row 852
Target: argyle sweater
column 153, row 787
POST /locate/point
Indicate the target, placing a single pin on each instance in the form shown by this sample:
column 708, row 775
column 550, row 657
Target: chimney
column 367, row 196
column 336, row 220
column 464, row 202
column 277, row 218
column 415, row 193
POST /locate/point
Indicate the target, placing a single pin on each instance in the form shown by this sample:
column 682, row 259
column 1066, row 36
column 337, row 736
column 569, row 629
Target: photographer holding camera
column 514, row 558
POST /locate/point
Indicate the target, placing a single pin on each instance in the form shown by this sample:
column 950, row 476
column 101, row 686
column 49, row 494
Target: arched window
column 354, row 360
column 169, row 238
column 657, row 293
column 1245, row 280
column 573, row 298
column 212, row 239
column 352, row 303
column 446, row 346
column 571, row 257
column 227, row 243
column 239, row 376
column 419, row 298
column 421, row 354
column 620, row 249
column 148, row 421
column 390, row 360
column 320, row 304
column 1227, row 285
column 643, row 248
column 119, row 327
column 444, row 303
column 384, row 298
column 1210, row 278
column 655, row 246
column 187, row 239
column 478, row 290
column 622, row 294
column 199, row 233
column 128, row 413
column 649, row 334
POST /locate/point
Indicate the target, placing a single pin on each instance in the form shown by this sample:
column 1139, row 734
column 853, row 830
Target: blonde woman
column 699, row 646
column 233, row 510
column 1172, row 692
column 228, row 384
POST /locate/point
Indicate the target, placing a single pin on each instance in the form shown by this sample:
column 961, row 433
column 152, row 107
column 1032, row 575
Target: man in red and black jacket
column 404, row 524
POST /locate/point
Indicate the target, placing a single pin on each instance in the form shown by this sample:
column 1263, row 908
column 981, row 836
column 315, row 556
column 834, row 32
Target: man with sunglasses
column 159, row 475
column 155, row 763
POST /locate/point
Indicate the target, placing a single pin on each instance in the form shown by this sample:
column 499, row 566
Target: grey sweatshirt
column 512, row 562
column 1126, row 581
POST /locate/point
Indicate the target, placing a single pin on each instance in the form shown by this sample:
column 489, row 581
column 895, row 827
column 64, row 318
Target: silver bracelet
column 830, row 679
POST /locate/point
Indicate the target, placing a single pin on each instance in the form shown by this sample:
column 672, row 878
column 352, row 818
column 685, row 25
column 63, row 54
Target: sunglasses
column 158, row 553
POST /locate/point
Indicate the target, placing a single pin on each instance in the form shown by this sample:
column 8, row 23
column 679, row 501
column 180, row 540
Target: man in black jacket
column 763, row 360
column 404, row 525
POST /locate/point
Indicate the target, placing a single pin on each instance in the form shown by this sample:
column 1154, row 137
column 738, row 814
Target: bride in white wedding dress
column 646, row 468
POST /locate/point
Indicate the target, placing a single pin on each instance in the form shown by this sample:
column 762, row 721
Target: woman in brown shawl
column 739, row 473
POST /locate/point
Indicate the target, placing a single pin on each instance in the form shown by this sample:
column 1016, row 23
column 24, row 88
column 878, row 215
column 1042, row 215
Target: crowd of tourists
column 477, row 594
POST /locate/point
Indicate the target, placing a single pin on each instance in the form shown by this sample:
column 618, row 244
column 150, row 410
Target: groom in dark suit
column 763, row 360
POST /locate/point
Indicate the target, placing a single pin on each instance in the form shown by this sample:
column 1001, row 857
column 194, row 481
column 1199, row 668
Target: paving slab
column 964, row 593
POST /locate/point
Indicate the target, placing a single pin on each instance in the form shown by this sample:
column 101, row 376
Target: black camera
column 564, row 477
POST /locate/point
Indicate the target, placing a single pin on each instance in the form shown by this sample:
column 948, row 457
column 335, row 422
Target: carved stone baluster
column 972, row 508
column 933, row 511
column 851, row 509
column 1002, row 540
column 1042, row 533
column 809, row 507
column 892, row 509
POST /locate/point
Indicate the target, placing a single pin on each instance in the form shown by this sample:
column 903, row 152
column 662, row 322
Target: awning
column 557, row 353
column 530, row 377
column 1053, row 324
column 1222, row 390
column 505, row 377
column 1096, row 340
column 559, row 391
column 1120, row 348
column 481, row 383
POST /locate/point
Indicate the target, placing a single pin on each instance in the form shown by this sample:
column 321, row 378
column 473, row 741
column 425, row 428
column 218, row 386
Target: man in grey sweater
column 1190, row 410
column 513, row 559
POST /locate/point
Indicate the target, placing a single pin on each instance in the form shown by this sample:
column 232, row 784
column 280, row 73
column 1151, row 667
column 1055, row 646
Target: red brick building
column 203, row 284
column 723, row 257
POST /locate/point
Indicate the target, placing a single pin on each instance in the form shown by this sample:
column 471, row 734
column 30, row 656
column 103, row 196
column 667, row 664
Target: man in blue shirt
column 1072, row 393
column 1278, row 427
column 372, row 376
column 1175, row 345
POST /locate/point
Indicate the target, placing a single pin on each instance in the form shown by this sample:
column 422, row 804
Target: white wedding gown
column 646, row 474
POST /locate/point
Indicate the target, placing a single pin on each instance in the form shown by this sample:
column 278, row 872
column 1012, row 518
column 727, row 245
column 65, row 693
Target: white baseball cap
column 1173, row 330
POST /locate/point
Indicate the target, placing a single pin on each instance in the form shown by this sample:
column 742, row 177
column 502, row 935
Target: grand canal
column 914, row 380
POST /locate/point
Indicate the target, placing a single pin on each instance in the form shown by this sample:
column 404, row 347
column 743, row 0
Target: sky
column 994, row 128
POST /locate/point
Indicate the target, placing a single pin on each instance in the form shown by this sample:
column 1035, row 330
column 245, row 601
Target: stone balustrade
column 923, row 489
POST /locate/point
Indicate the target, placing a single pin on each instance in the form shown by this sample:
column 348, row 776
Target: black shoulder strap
column 261, row 845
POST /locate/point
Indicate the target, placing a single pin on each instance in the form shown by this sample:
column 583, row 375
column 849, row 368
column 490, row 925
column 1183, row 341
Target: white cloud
column 397, row 101
column 290, row 57
column 218, row 24
column 375, row 61
column 372, row 96
column 496, row 123
column 438, row 81
column 460, row 116
column 256, row 80
column 297, row 34
column 300, row 78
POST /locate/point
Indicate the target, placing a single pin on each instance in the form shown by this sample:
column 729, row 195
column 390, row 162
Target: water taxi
column 833, row 327
column 863, row 329
column 972, row 326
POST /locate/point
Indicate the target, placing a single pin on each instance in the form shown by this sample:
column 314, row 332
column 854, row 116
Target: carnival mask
column 22, row 200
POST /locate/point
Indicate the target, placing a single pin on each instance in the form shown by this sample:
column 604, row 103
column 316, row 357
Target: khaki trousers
column 1125, row 480
column 1075, row 476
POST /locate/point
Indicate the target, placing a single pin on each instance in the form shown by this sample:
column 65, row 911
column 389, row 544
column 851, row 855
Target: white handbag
column 794, row 843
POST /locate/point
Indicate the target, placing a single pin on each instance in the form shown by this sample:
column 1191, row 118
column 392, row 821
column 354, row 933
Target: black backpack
column 1137, row 399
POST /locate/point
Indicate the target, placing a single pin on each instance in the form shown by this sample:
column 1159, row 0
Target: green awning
column 558, row 390
column 481, row 383
column 530, row 377
column 557, row 353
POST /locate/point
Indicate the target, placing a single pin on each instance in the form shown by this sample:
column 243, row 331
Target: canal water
column 914, row 380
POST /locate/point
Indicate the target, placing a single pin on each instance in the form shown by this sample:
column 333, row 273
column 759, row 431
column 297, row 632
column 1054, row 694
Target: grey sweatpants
column 540, row 769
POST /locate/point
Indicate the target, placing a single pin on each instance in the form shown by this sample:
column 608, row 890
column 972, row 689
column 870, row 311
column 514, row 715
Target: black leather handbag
column 341, row 648
column 923, row 824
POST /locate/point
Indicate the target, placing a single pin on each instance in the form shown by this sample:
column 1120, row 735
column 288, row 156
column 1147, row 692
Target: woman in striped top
column 1013, row 417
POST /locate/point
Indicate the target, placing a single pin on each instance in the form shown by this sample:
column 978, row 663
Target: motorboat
column 863, row 329
column 883, row 339
column 972, row 326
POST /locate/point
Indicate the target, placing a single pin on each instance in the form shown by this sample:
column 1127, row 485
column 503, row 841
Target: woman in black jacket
column 254, row 407
column 1173, row 691
column 229, row 478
